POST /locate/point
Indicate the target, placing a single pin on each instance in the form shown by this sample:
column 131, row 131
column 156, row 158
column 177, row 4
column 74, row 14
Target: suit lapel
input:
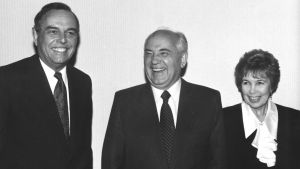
column 237, row 138
column 185, row 114
column 185, row 119
column 238, row 116
column 148, row 105
column 39, row 93
column 72, row 99
column 75, row 103
column 39, row 85
column 283, row 138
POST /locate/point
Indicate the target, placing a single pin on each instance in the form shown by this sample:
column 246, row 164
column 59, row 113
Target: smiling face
column 162, row 60
column 56, row 41
column 256, row 90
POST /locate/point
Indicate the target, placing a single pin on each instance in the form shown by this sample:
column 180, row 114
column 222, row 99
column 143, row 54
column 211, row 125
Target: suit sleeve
column 295, row 138
column 4, row 108
column 113, row 146
column 88, row 153
column 217, row 139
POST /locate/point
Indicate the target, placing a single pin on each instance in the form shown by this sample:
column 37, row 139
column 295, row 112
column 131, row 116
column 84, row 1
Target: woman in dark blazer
column 259, row 133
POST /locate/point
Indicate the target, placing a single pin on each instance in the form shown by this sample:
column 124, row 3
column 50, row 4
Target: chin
column 256, row 106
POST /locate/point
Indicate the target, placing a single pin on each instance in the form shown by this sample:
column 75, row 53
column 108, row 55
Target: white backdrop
column 218, row 32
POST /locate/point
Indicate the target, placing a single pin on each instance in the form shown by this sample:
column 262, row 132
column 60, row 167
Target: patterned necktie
column 167, row 127
column 60, row 96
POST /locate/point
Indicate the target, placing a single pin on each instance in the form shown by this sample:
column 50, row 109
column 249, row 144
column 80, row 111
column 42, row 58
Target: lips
column 157, row 69
column 254, row 99
column 59, row 49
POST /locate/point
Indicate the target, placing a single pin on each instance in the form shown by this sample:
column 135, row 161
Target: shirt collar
column 50, row 75
column 251, row 122
column 174, row 91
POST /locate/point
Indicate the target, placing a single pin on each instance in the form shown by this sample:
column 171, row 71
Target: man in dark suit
column 167, row 123
column 45, row 103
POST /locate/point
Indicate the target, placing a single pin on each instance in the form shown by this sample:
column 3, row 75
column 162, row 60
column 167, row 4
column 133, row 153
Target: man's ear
column 35, row 36
column 184, row 59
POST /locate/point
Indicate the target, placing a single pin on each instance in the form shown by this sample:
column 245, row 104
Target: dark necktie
column 60, row 96
column 167, row 127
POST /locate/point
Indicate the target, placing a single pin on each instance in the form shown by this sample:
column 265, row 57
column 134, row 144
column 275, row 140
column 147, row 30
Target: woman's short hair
column 258, row 62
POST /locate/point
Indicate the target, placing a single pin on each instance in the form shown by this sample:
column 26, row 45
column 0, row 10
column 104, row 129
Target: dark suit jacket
column 31, row 133
column 242, row 155
column 132, row 139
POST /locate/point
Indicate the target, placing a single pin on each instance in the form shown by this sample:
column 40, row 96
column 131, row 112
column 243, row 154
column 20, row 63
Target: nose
column 63, row 39
column 252, row 89
column 156, row 59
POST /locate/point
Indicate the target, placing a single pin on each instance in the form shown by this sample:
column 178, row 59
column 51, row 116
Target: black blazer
column 31, row 133
column 242, row 155
column 132, row 139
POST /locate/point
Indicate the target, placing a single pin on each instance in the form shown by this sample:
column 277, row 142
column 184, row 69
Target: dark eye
column 71, row 33
column 148, row 53
column 164, row 54
column 245, row 82
column 260, row 83
column 52, row 31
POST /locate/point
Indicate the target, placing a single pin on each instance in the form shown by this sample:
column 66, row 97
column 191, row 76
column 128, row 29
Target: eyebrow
column 147, row 50
column 73, row 29
column 165, row 49
column 257, row 79
column 50, row 27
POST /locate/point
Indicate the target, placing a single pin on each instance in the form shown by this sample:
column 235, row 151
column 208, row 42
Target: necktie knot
column 58, row 76
column 165, row 96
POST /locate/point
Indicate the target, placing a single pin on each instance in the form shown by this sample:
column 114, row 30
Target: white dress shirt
column 266, row 135
column 52, row 82
column 173, row 101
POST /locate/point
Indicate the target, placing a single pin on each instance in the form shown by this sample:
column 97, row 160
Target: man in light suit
column 46, row 119
column 147, row 130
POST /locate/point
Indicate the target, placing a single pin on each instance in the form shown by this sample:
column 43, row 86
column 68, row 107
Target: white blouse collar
column 266, row 134
column 251, row 122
